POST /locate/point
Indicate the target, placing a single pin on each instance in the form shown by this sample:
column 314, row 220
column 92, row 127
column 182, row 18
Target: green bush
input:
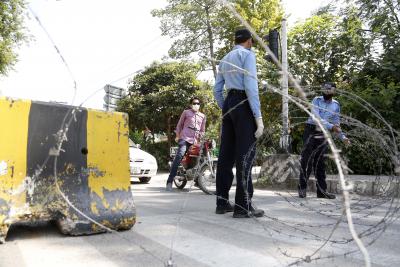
column 159, row 151
column 137, row 137
column 367, row 157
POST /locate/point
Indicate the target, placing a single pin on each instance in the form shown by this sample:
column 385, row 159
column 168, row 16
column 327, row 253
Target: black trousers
column 313, row 158
column 237, row 146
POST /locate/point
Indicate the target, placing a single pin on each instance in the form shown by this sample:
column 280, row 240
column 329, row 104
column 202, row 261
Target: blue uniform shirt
column 328, row 112
column 242, row 78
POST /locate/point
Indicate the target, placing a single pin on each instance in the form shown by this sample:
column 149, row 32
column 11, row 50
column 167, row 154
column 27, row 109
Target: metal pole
column 285, row 86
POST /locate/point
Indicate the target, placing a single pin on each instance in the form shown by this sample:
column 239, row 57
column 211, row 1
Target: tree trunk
column 211, row 41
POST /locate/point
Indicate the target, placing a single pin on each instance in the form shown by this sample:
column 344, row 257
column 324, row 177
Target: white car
column 142, row 164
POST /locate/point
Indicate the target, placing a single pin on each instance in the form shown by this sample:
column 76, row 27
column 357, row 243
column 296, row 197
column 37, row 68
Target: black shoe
column 302, row 193
column 324, row 194
column 256, row 212
column 252, row 213
column 222, row 209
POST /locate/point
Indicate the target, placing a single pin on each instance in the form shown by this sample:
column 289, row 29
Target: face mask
column 250, row 45
column 327, row 97
column 195, row 107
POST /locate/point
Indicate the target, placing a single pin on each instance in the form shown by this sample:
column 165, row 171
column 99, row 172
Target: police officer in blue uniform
column 241, row 125
column 315, row 146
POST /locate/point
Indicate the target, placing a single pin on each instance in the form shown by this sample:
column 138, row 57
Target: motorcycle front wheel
column 180, row 182
column 207, row 179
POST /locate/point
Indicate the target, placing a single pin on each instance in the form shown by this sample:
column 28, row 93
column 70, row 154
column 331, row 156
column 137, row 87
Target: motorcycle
column 197, row 164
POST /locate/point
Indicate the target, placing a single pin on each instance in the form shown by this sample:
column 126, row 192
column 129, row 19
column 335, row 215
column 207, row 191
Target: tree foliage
column 11, row 32
column 327, row 47
column 158, row 95
column 205, row 27
column 357, row 46
column 379, row 80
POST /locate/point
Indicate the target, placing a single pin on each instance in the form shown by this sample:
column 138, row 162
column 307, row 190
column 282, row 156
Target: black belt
column 236, row 92
column 313, row 127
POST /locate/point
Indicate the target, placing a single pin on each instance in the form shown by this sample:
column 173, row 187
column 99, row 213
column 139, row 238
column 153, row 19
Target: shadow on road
column 22, row 231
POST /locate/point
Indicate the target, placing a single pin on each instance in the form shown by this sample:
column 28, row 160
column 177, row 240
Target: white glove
column 260, row 128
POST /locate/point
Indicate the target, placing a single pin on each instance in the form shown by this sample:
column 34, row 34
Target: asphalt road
column 291, row 230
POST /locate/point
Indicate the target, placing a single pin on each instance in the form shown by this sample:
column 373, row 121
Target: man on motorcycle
column 189, row 130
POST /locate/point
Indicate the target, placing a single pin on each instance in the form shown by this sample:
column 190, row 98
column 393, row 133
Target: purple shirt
column 191, row 126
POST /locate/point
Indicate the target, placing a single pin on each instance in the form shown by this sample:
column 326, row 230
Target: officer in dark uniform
column 241, row 125
column 315, row 146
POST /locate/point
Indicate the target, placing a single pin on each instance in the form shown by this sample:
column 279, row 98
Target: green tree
column 360, row 50
column 358, row 47
column 158, row 95
column 205, row 27
column 327, row 48
column 379, row 80
column 11, row 32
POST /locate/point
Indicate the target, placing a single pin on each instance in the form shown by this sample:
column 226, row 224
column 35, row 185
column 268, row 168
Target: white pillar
column 285, row 87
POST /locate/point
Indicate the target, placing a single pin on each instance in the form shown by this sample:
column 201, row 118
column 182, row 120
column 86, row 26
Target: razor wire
column 58, row 52
column 70, row 117
column 308, row 258
column 61, row 137
column 326, row 134
column 310, row 115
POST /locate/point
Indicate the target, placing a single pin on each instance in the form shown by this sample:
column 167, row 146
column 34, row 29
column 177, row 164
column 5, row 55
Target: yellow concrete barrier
column 89, row 175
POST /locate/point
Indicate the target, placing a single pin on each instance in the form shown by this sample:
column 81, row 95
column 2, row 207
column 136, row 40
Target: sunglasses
column 196, row 103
